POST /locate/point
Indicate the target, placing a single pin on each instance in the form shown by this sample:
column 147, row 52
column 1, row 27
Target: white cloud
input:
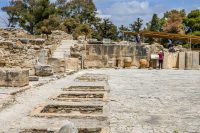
column 101, row 15
column 129, row 8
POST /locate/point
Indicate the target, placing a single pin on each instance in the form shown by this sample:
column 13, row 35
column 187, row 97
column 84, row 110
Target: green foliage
column 106, row 29
column 82, row 29
column 70, row 24
column 154, row 25
column 47, row 25
column 196, row 33
column 84, row 10
column 192, row 21
column 174, row 11
column 121, row 35
column 34, row 12
column 137, row 25
column 186, row 45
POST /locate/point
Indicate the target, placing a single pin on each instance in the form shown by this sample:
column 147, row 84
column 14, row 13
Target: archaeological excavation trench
column 80, row 96
column 82, row 102
column 80, row 130
column 92, row 77
column 85, row 88
column 63, row 109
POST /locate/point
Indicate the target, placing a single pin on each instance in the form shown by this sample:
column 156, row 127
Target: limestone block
column 195, row 60
column 10, row 77
column 170, row 60
column 72, row 64
column 93, row 64
column 43, row 70
column 58, row 65
column 188, row 60
column 181, row 60
column 33, row 78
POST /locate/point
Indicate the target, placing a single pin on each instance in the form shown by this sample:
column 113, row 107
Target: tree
column 181, row 12
column 137, row 25
column 121, row 34
column 82, row 29
column 70, row 24
column 106, row 29
column 174, row 23
column 13, row 12
column 34, row 12
column 154, row 25
column 47, row 25
column 84, row 10
column 192, row 21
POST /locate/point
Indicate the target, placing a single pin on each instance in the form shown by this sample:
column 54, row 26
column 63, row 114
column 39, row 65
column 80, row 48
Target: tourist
column 137, row 38
column 170, row 46
column 161, row 58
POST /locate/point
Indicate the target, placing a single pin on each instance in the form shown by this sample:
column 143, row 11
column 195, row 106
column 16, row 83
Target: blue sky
column 126, row 11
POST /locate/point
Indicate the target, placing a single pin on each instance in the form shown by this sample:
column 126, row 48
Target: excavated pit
column 85, row 88
column 80, row 130
column 92, row 77
column 81, row 96
column 69, row 109
column 36, row 131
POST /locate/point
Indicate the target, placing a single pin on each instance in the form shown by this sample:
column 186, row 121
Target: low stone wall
column 61, row 65
column 13, row 77
column 113, row 55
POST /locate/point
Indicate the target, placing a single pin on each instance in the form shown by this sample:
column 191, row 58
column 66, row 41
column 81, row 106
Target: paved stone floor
column 140, row 101
column 154, row 101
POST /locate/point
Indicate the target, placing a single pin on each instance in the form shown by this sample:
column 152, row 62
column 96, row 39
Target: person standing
column 161, row 58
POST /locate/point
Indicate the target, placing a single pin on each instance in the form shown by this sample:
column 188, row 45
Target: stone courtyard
column 135, row 101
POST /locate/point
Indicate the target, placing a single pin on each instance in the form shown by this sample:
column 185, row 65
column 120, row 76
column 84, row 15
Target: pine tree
column 137, row 25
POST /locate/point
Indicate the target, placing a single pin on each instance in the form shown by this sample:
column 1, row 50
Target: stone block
column 58, row 65
column 33, row 78
column 195, row 60
column 188, row 60
column 72, row 64
column 10, row 77
column 43, row 70
column 170, row 60
column 181, row 60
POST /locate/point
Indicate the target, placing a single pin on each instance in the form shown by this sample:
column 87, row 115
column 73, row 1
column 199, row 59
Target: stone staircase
column 64, row 49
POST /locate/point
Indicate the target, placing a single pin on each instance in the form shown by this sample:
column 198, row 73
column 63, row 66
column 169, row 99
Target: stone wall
column 113, row 55
column 20, row 49
column 61, row 65
column 13, row 77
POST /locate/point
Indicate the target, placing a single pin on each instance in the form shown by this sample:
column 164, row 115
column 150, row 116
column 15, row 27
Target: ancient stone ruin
column 60, row 80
